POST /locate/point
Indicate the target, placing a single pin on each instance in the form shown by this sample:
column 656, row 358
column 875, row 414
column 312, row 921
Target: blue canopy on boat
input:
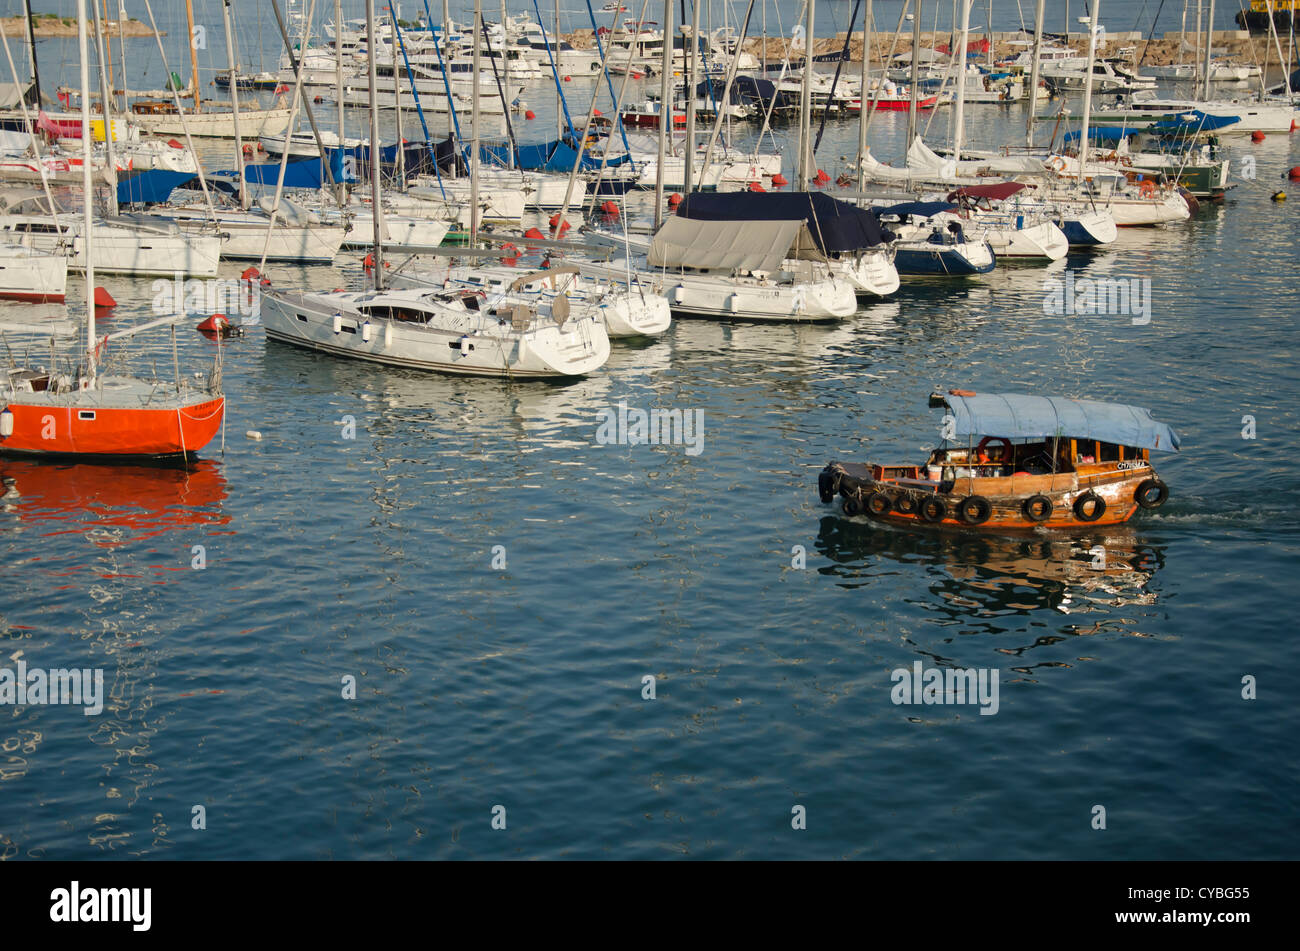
column 836, row 226
column 149, row 187
column 1103, row 133
column 1036, row 417
column 556, row 156
column 921, row 209
column 1192, row 121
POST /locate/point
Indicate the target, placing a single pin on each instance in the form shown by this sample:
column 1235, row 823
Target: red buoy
column 568, row 79
column 530, row 114
column 174, row 144
column 1294, row 173
column 216, row 324
column 1257, row 136
column 250, row 274
column 674, row 200
column 533, row 233
column 103, row 298
column 609, row 208
column 779, row 180
column 595, row 112
column 756, row 187
column 555, row 220
column 512, row 259
column 822, row 178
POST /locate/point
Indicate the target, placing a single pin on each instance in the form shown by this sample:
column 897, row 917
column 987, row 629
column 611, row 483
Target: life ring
column 1037, row 508
column 1056, row 163
column 877, row 504
column 932, row 510
column 1143, row 494
column 1081, row 507
column 974, row 510
column 982, row 456
column 1147, row 187
column 905, row 504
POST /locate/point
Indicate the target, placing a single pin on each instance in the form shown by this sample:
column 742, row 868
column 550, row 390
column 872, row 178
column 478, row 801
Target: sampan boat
column 1013, row 462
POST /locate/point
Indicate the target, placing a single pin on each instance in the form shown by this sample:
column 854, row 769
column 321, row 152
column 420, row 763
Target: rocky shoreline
column 48, row 25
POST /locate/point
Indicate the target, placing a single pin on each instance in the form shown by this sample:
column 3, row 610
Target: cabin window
column 348, row 330
column 85, row 414
column 1108, row 452
column 302, row 317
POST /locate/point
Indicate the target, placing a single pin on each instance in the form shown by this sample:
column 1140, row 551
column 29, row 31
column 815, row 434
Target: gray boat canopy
column 730, row 245
column 1017, row 416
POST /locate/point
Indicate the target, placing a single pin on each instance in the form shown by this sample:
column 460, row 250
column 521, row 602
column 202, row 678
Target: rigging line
column 501, row 92
column 839, row 65
column 446, row 83
column 604, row 68
column 555, row 71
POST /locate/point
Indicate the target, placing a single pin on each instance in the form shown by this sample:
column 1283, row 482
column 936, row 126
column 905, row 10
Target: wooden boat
column 1028, row 462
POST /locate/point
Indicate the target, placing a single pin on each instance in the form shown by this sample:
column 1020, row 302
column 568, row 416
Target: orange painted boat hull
column 42, row 429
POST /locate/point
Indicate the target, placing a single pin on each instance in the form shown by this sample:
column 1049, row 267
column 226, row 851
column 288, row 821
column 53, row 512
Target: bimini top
column 730, row 245
column 1037, row 417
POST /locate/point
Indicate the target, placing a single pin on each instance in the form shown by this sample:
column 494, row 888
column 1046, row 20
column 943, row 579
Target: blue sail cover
column 149, row 187
column 836, row 226
column 921, row 209
column 1037, row 417
column 1192, row 122
column 1102, row 133
column 556, row 156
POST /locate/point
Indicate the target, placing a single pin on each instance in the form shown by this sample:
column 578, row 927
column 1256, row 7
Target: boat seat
column 521, row 315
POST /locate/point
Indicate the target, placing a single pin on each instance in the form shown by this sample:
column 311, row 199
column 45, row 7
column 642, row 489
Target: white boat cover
column 728, row 245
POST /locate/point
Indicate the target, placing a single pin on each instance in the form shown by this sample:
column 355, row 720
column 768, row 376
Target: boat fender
column 464, row 346
column 933, row 510
column 877, row 504
column 851, row 505
column 6, row 424
column 825, row 486
column 366, row 332
column 974, row 510
column 1081, row 507
column 905, row 504
column 1037, row 508
column 1143, row 495
column 338, row 323
column 388, row 335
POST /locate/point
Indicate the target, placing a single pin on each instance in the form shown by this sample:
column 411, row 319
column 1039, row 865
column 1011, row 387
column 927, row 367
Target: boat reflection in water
column 1093, row 584
column 114, row 505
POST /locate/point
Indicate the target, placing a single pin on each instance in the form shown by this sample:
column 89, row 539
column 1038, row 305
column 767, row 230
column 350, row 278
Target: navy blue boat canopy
column 1193, row 121
column 921, row 209
column 1102, row 133
column 1017, row 416
column 836, row 226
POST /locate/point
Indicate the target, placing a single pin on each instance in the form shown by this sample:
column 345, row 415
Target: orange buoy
column 756, row 187
column 1257, row 136
column 1294, row 173
column 529, row 114
column 610, row 208
column 216, row 324
column 174, row 144
column 248, row 148
column 779, row 180
column 250, row 274
column 568, row 79
column 533, row 233
column 595, row 112
column 555, row 220
column 822, row 178
column 674, row 200
column 103, row 298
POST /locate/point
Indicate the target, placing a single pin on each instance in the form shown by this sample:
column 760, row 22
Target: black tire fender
column 877, row 504
column 1142, row 493
column 932, row 510
column 974, row 510
column 1037, row 508
column 1081, row 507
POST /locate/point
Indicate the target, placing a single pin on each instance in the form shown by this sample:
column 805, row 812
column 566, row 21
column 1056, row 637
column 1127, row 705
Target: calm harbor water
column 481, row 686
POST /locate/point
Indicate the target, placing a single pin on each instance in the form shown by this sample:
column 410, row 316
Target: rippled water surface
column 476, row 687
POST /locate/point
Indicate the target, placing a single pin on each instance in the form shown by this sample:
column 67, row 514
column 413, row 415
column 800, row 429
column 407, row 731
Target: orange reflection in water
column 125, row 503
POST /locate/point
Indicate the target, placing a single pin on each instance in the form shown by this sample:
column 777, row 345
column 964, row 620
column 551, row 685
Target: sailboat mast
column 805, row 101
column 234, row 104
column 31, row 45
column 376, row 214
column 1209, row 46
column 862, row 99
column 88, row 209
column 665, row 108
column 194, row 53
column 101, row 43
column 338, row 85
column 958, row 118
column 1087, row 90
column 692, row 80
column 915, row 80
column 473, row 128
column 400, row 157
column 1033, row 73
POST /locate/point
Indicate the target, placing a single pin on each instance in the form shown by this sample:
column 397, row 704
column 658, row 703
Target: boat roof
column 1014, row 416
